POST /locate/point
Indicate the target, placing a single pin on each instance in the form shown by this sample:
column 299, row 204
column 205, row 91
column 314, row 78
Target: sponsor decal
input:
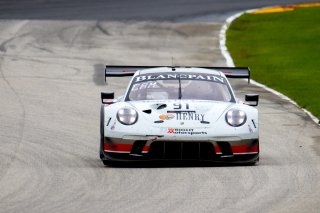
column 183, row 113
column 166, row 116
column 170, row 130
column 113, row 126
column 186, row 131
column 187, row 76
column 144, row 85
column 185, row 116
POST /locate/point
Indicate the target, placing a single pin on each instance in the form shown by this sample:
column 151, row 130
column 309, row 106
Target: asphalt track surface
column 52, row 55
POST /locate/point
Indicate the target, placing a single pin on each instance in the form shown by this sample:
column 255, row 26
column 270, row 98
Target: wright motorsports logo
column 180, row 131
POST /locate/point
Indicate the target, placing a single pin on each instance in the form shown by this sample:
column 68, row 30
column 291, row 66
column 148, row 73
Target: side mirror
column 252, row 99
column 107, row 97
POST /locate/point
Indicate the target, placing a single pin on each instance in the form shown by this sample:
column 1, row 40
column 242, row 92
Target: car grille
column 181, row 150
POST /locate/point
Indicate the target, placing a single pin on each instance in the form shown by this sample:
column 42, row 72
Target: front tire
column 101, row 132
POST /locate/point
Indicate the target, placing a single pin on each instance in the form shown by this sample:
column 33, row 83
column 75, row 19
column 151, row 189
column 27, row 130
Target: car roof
column 178, row 69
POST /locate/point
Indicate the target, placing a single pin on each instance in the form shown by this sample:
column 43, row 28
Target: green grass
column 282, row 51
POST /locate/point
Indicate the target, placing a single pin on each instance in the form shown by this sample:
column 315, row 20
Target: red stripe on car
column 122, row 148
column 217, row 149
column 245, row 149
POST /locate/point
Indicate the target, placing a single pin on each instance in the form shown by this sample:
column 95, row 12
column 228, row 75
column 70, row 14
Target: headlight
column 235, row 117
column 127, row 116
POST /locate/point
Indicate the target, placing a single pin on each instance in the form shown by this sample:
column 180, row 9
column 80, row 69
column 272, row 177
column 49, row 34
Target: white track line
column 230, row 63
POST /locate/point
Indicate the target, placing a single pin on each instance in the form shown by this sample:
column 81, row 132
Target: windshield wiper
column 180, row 92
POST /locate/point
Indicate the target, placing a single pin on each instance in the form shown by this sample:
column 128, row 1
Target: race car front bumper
column 242, row 151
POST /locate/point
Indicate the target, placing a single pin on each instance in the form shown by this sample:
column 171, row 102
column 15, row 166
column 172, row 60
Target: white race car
column 179, row 113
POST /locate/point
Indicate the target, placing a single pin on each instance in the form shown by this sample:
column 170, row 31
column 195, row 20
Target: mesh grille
column 181, row 150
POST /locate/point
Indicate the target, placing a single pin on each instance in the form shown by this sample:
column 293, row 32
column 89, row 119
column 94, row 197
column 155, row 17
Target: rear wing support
column 229, row 72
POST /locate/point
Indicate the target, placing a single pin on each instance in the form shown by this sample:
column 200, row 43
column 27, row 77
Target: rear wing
column 229, row 72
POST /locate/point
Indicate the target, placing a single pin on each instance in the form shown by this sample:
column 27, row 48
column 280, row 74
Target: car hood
column 173, row 113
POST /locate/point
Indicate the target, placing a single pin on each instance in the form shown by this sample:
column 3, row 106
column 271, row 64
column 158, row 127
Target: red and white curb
column 230, row 63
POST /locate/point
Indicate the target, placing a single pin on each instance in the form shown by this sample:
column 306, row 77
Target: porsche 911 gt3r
column 179, row 113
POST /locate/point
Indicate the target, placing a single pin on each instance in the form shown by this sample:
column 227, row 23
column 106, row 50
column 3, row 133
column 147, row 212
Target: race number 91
column 181, row 106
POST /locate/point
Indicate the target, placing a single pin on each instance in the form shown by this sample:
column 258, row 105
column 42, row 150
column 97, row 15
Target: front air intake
column 225, row 148
column 173, row 150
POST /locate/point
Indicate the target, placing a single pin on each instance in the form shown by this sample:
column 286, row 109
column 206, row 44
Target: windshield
column 166, row 86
